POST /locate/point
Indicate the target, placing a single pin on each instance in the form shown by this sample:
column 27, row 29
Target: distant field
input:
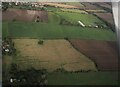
column 50, row 55
column 77, row 4
column 106, row 5
column 108, row 17
column 30, row 15
column 60, row 5
column 87, row 19
column 48, row 8
column 74, row 11
column 90, row 6
column 90, row 78
column 96, row 11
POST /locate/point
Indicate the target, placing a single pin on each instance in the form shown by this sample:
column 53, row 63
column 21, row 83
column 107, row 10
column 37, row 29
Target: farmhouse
column 5, row 47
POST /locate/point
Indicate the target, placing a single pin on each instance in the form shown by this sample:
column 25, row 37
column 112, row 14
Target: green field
column 54, row 31
column 74, row 4
column 50, row 31
column 87, row 19
column 90, row 78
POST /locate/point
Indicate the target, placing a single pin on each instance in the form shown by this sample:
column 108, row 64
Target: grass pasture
column 50, row 55
column 87, row 19
column 54, row 31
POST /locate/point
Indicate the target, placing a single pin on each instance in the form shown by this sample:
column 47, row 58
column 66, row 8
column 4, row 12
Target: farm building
column 81, row 23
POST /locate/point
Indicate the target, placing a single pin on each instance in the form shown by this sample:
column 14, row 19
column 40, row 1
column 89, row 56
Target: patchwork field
column 88, row 49
column 50, row 55
column 52, row 29
column 30, row 16
column 103, row 53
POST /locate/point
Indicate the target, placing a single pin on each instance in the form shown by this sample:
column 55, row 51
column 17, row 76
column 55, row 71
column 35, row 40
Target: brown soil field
column 108, row 17
column 53, row 54
column 24, row 15
column 103, row 53
column 106, row 5
column 90, row 6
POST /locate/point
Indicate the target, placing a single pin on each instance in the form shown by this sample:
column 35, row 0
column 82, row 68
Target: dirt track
column 24, row 15
column 103, row 53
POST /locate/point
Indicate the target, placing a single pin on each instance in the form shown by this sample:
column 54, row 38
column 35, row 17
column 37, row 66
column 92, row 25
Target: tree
column 14, row 69
column 40, row 42
column 27, row 77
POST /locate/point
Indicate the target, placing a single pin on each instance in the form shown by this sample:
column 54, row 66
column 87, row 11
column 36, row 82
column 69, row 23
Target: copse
column 5, row 6
column 30, row 76
column 40, row 42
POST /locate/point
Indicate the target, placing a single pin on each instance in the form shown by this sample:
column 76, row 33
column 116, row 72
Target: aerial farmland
column 52, row 42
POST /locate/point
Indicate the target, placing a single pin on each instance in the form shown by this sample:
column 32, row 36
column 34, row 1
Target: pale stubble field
column 53, row 54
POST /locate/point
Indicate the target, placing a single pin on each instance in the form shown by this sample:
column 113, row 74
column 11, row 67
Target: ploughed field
column 24, row 15
column 108, row 17
column 73, row 55
column 103, row 53
column 90, row 6
column 104, row 5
